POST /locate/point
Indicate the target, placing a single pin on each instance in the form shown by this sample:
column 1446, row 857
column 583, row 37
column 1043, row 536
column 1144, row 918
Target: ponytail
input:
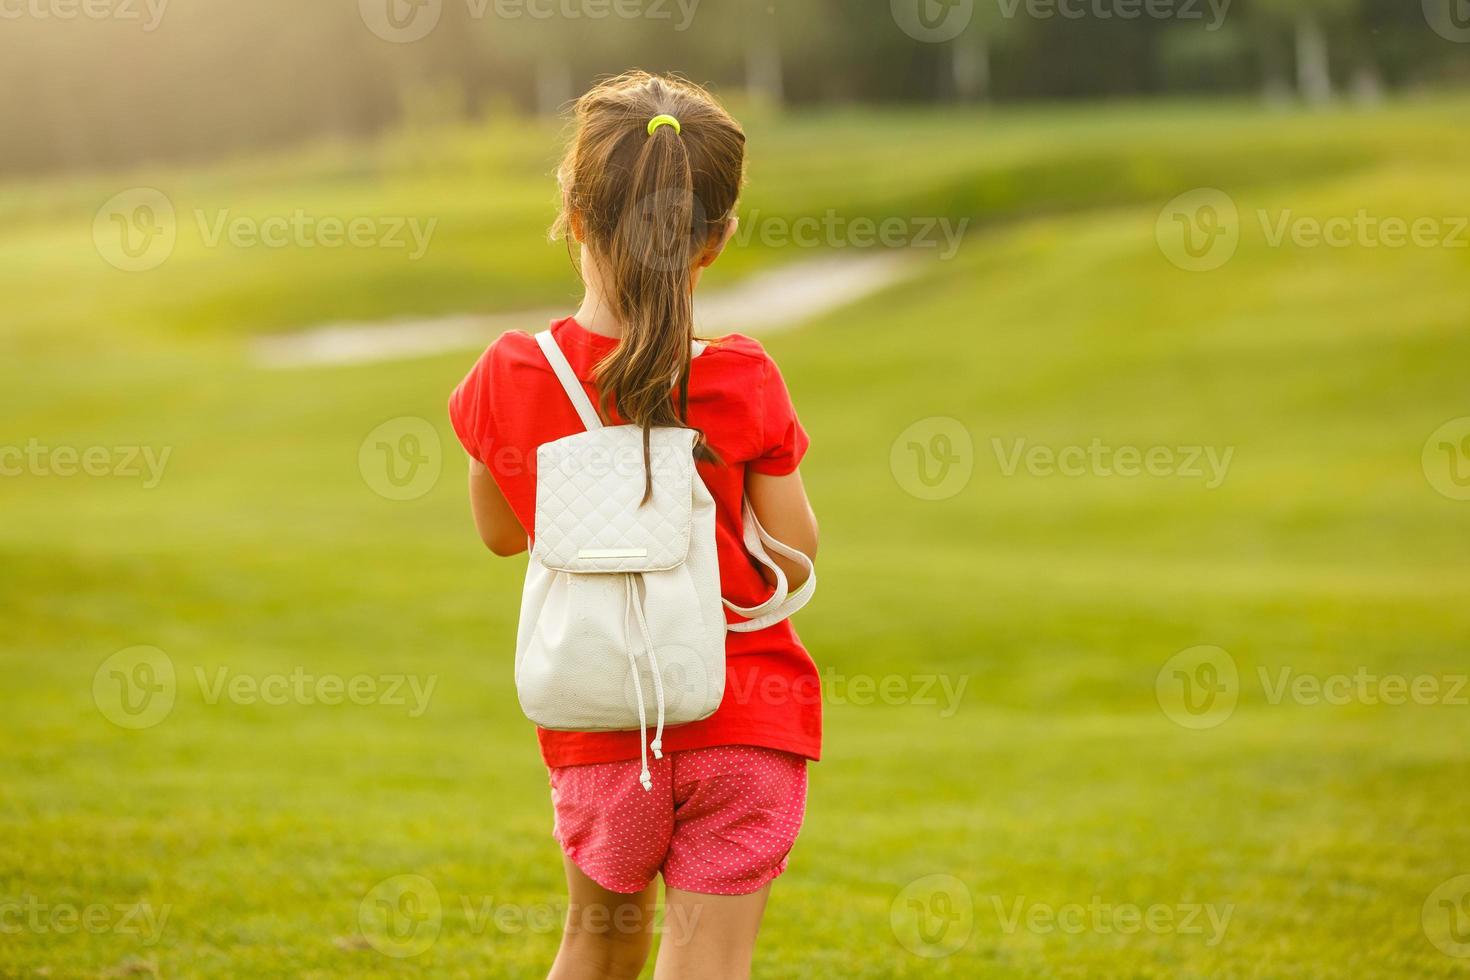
column 651, row 196
column 649, row 263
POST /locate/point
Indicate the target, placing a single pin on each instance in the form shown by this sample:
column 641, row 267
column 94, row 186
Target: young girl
column 651, row 154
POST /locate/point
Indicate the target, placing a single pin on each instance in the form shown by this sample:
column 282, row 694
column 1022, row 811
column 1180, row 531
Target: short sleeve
column 470, row 408
column 783, row 440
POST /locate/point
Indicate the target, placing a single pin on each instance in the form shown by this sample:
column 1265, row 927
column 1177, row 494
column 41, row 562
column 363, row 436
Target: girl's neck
column 595, row 314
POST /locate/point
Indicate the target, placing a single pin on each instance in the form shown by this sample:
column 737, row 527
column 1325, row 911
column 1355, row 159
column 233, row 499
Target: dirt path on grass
column 763, row 303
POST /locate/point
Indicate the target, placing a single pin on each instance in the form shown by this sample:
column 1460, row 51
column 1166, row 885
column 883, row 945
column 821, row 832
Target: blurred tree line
column 91, row 83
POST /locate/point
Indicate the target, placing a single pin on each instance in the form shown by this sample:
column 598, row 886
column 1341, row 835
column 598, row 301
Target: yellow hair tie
column 663, row 120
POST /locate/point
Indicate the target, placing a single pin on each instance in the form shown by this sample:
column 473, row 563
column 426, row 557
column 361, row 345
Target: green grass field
column 1299, row 837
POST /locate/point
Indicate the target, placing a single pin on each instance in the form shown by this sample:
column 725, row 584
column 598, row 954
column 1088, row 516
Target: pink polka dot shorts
column 718, row 821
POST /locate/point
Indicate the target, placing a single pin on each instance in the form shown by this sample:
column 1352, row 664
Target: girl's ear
column 713, row 252
column 574, row 224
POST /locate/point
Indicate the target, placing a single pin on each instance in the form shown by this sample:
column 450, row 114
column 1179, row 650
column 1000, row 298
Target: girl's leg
column 709, row 937
column 607, row 934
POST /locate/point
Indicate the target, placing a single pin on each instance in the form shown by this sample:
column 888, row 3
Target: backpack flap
column 590, row 514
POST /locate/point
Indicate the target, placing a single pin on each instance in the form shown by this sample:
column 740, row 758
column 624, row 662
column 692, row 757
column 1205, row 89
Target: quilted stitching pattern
column 588, row 492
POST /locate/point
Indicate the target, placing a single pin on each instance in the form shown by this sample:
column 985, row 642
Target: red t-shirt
column 510, row 403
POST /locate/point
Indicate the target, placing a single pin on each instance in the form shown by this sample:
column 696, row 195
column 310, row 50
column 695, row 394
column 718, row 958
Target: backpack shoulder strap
column 781, row 603
column 569, row 381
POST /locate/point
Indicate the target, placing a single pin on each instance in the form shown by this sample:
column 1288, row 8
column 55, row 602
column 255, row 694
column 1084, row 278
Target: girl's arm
column 494, row 519
column 781, row 505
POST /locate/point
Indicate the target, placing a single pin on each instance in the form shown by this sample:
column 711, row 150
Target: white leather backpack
column 621, row 617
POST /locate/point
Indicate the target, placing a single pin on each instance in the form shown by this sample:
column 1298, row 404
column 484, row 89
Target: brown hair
column 649, row 205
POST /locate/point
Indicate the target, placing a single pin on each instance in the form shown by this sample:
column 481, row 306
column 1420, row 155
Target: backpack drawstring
column 635, row 605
